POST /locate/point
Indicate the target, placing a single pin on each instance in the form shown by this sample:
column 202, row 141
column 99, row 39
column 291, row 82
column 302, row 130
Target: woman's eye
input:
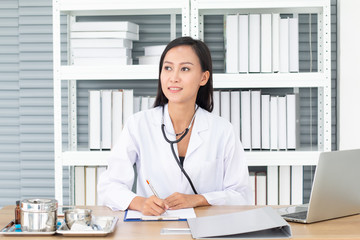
column 167, row 68
column 185, row 69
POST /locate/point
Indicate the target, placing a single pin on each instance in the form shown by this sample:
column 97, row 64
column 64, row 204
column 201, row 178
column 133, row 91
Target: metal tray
column 107, row 223
column 27, row 233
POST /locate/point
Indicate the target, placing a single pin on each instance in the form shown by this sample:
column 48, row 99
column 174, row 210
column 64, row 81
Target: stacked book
column 261, row 43
column 262, row 121
column 108, row 112
column 102, row 43
column 152, row 55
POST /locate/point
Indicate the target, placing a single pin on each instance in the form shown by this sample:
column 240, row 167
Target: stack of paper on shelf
column 152, row 55
column 102, row 43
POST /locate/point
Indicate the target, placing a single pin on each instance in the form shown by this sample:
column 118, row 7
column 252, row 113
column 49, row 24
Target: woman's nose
column 175, row 76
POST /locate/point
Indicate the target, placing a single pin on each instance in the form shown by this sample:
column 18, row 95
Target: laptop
column 335, row 192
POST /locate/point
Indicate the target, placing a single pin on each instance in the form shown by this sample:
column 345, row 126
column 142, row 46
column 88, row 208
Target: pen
column 6, row 228
column 153, row 190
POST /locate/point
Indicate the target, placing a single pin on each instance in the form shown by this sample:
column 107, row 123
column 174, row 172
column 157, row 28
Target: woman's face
column 181, row 75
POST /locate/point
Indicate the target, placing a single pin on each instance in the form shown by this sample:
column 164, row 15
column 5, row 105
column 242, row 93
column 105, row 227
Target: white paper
column 184, row 213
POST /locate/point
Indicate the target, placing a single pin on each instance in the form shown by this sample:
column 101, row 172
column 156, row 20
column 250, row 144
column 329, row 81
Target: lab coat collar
column 201, row 123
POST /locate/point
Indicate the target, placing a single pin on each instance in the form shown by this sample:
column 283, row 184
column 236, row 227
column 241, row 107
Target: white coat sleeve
column 114, row 186
column 236, row 184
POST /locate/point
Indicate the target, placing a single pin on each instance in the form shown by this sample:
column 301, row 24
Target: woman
column 209, row 168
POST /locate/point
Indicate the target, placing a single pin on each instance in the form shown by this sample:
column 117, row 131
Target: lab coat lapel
column 200, row 124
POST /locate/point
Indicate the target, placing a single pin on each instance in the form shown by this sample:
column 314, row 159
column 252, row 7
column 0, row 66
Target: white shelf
column 276, row 158
column 269, row 80
column 118, row 7
column 245, row 6
column 282, row 158
column 109, row 72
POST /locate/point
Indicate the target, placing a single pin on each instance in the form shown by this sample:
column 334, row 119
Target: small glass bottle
column 17, row 213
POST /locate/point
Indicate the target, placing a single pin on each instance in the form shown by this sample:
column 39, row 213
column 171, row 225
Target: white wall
column 348, row 74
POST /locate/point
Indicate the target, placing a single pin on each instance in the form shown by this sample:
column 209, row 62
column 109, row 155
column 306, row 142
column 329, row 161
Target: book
column 243, row 43
column 151, row 102
column 104, row 26
column 149, row 60
column 128, row 103
column 282, row 123
column 90, row 186
column 117, row 115
column 274, row 123
column 235, row 111
column 99, row 172
column 292, row 121
column 216, row 98
column 261, row 191
column 103, row 61
column 265, row 122
column 275, row 42
column 296, row 185
column 101, row 43
column 293, row 45
column 144, row 103
column 79, row 186
column 246, row 119
column 255, row 119
column 225, row 104
column 266, row 43
column 232, row 45
column 106, row 119
column 253, row 187
column 284, row 185
column 96, row 34
column 272, row 185
column 254, row 43
column 156, row 50
column 284, row 45
column 137, row 104
column 101, row 52
column 94, row 120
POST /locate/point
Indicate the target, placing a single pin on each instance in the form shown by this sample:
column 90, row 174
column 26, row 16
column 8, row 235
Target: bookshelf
column 320, row 79
column 69, row 155
column 192, row 15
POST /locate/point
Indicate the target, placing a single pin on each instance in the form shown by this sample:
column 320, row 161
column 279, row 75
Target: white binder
column 256, row 223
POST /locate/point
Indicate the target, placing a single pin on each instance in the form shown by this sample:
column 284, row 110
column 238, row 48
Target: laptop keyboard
column 297, row 215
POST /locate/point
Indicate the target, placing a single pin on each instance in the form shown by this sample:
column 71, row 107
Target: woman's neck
column 181, row 115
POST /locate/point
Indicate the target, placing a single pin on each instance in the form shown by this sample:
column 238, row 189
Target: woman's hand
column 179, row 200
column 151, row 206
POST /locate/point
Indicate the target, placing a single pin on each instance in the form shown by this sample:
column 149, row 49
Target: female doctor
column 190, row 156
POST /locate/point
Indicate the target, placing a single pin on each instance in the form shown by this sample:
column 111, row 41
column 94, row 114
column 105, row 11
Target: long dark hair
column 205, row 94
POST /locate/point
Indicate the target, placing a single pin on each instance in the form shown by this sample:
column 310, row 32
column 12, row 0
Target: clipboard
column 171, row 215
column 257, row 223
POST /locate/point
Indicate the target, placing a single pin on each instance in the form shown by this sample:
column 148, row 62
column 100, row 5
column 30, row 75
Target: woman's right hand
column 151, row 206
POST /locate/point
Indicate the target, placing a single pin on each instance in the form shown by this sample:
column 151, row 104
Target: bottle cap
column 17, row 226
column 18, row 203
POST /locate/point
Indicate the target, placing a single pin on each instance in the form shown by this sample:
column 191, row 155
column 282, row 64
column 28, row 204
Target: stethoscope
column 183, row 134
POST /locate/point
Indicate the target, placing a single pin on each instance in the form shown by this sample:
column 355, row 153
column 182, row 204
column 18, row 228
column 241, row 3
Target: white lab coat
column 215, row 161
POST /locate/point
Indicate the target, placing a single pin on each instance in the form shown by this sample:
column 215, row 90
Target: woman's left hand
column 179, row 200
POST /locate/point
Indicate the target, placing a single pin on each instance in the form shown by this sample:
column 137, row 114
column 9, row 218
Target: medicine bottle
column 17, row 213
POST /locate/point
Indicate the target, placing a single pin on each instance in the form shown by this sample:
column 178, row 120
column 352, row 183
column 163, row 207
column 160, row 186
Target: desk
column 342, row 228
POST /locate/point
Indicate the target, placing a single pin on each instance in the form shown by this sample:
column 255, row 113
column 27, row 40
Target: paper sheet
column 185, row 213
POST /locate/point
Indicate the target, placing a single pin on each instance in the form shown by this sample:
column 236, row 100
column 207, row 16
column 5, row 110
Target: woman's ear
column 204, row 78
